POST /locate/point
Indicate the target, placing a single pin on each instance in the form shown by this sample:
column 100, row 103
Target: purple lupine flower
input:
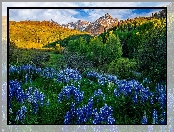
column 35, row 107
column 97, row 119
column 162, row 99
column 105, row 114
column 67, row 118
column 60, row 95
column 151, row 100
column 144, row 120
column 36, row 95
column 21, row 114
column 135, row 99
column 71, row 90
column 15, row 90
column 155, row 117
column 99, row 93
column 163, row 119
column 110, row 120
column 26, row 78
column 68, row 74
column 42, row 97
column 144, row 95
column 116, row 93
column 128, row 89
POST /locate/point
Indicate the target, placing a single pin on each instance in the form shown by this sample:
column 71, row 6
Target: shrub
column 76, row 61
column 123, row 68
column 24, row 56
column 58, row 49
column 152, row 57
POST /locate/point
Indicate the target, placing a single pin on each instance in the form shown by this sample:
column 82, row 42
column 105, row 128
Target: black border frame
column 8, row 8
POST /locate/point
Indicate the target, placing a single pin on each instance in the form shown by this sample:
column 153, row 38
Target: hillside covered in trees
column 35, row 34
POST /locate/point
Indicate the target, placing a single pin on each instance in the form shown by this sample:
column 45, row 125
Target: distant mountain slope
column 36, row 34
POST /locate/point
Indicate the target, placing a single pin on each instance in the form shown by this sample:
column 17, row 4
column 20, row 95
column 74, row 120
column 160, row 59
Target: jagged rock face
column 103, row 23
column 79, row 25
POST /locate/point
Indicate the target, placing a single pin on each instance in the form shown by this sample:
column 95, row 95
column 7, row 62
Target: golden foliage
column 35, row 34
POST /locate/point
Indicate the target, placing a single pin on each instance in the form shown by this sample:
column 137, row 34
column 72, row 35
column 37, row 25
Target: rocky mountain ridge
column 103, row 23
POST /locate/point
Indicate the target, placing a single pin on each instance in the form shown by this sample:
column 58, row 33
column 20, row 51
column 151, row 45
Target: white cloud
column 36, row 4
column 59, row 15
column 63, row 16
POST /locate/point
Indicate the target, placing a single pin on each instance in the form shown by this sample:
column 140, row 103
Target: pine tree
column 114, row 48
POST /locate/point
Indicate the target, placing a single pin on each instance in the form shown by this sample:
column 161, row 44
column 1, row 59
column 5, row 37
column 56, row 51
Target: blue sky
column 63, row 16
